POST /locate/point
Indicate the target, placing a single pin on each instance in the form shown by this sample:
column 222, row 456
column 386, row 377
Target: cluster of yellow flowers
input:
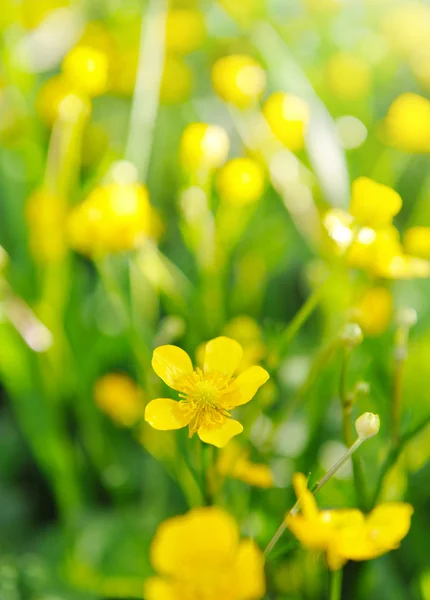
column 366, row 237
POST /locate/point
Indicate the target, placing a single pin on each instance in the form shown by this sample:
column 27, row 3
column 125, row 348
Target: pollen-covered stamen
column 203, row 398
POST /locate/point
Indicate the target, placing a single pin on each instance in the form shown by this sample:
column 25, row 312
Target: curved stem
column 335, row 589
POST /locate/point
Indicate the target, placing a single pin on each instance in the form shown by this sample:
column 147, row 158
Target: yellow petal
column 220, row 436
column 308, row 505
column 157, row 588
column 205, row 538
column 247, row 384
column 222, row 354
column 171, row 364
column 249, row 571
column 165, row 414
column 389, row 523
column 311, row 533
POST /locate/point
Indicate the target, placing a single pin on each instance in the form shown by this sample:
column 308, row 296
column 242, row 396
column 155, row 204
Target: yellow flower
column 51, row 95
column 241, row 181
column 203, row 146
column 208, row 394
column 119, row 397
column 245, row 330
column 238, row 79
column 114, row 218
column 33, row 13
column 374, row 310
column 348, row 76
column 417, row 241
column 373, row 204
column 185, row 31
column 177, row 81
column 288, row 117
column 347, row 534
column 407, row 124
column 87, row 70
column 233, row 462
column 200, row 556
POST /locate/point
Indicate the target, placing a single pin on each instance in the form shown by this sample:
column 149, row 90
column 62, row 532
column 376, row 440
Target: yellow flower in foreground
column 113, row 218
column 204, row 146
column 233, row 462
column 407, row 124
column 238, row 79
column 347, row 534
column 288, row 118
column 241, row 181
column 208, row 394
column 373, row 204
column 199, row 556
column 417, row 241
column 119, row 397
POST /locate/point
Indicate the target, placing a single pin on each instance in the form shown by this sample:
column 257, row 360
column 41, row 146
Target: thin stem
column 147, row 89
column 315, row 489
column 397, row 398
column 335, row 589
column 347, row 400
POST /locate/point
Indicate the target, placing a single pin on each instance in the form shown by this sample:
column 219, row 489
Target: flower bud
column 407, row 317
column 362, row 388
column 367, row 425
column 351, row 334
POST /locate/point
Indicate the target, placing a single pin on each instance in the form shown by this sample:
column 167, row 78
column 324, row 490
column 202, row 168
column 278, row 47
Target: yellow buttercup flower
column 347, row 534
column 374, row 310
column 239, row 80
column 200, row 556
column 417, row 241
column 241, row 181
column 288, row 117
column 52, row 93
column 373, row 204
column 407, row 124
column 120, row 398
column 177, row 81
column 233, row 462
column 207, row 395
column 46, row 218
column 185, row 31
column 348, row 76
column 87, row 70
column 114, row 218
column 203, row 146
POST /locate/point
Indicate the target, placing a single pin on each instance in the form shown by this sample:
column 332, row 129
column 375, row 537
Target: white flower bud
column 407, row 317
column 351, row 334
column 367, row 425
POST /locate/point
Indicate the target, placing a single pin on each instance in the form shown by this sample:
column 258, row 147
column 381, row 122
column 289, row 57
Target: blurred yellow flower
column 407, row 27
column 241, row 181
column 120, row 398
column 33, row 13
column 208, row 394
column 417, row 241
column 200, row 556
column 114, row 218
column 177, row 81
column 347, row 534
column 407, row 124
column 123, row 71
column 373, row 204
column 288, row 117
column 239, row 80
column 46, row 217
column 348, row 76
column 374, row 311
column 185, row 30
column 203, row 146
column 323, row 6
column 51, row 95
column 233, row 462
column 244, row 12
column 87, row 70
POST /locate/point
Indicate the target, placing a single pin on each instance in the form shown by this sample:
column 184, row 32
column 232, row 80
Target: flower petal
column 157, row 588
column 204, row 537
column 165, row 414
column 247, row 384
column 171, row 364
column 220, row 436
column 249, row 571
column 389, row 523
column 222, row 354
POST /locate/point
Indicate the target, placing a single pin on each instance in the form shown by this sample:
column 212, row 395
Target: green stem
column 347, row 400
column 147, row 89
column 335, row 589
column 397, row 400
